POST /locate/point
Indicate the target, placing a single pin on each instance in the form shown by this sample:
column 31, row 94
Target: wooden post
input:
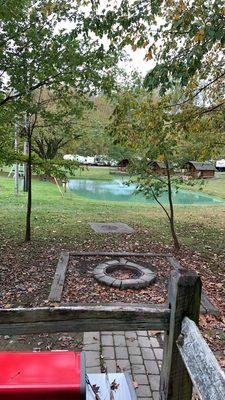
column 184, row 301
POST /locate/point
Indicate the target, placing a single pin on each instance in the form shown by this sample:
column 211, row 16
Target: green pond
column 116, row 191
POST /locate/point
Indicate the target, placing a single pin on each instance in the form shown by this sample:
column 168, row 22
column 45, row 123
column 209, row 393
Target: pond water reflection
column 116, row 191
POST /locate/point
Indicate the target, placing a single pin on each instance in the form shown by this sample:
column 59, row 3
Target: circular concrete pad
column 142, row 276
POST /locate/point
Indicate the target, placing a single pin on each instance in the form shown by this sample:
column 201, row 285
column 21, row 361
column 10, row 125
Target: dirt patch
column 57, row 341
column 26, row 274
column 123, row 273
column 81, row 286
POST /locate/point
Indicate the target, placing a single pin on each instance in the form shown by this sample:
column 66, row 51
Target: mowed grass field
column 65, row 220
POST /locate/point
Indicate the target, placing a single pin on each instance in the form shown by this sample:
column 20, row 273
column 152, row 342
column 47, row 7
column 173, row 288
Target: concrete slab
column 111, row 227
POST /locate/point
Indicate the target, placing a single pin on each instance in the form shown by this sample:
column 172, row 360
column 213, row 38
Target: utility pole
column 16, row 174
column 26, row 153
column 26, row 178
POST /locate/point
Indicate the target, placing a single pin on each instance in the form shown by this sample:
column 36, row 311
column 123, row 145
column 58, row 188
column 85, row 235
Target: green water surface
column 117, row 191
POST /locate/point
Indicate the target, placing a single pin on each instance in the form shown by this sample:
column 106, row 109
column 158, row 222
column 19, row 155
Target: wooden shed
column 159, row 167
column 200, row 169
column 123, row 164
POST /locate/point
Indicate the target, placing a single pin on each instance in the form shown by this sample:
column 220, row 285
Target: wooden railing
column 202, row 366
column 187, row 360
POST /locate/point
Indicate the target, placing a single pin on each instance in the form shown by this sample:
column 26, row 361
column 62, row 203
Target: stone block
column 91, row 337
column 151, row 367
column 108, row 353
column 142, row 333
column 154, row 382
column 121, row 353
column 141, row 379
column 93, row 370
column 154, row 342
column 159, row 354
column 155, row 395
column 132, row 343
column 136, row 360
column 144, row 341
column 92, row 359
column 131, row 335
column 123, row 365
column 107, row 340
column 110, row 365
column 143, row 390
column 147, row 353
column 119, row 340
column 91, row 347
column 134, row 351
column 138, row 369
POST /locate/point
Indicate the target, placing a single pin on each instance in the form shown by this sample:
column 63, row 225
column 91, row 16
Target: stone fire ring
column 144, row 276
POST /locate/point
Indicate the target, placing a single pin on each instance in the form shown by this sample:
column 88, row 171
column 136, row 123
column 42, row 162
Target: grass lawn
column 27, row 269
column 95, row 173
column 54, row 218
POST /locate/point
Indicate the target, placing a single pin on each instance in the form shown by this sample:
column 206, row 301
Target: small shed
column 123, row 164
column 203, row 169
column 159, row 167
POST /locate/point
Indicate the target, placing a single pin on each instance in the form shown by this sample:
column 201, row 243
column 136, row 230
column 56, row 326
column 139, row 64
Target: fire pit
column 124, row 274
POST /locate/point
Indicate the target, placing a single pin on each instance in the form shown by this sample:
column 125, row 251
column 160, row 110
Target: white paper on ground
column 122, row 393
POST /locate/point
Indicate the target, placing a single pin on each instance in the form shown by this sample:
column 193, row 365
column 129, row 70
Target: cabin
column 159, row 167
column 123, row 164
column 202, row 170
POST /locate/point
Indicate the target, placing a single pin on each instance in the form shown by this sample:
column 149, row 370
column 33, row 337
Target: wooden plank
column 174, row 263
column 205, row 372
column 59, row 278
column 115, row 254
column 83, row 318
column 209, row 307
column 184, row 300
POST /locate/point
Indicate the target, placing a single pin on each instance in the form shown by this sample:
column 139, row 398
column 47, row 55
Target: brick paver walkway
column 139, row 353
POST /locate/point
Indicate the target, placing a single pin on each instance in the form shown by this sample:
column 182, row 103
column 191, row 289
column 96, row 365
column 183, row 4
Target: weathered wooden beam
column 209, row 307
column 115, row 254
column 204, row 370
column 83, row 318
column 184, row 300
column 174, row 262
column 59, row 278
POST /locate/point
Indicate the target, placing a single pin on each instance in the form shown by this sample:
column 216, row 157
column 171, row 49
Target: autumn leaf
column 148, row 56
column 114, row 385
column 135, row 384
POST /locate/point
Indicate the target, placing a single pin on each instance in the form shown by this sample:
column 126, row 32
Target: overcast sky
column 137, row 61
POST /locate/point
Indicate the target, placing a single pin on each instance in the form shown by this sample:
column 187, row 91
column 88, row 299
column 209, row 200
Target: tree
column 143, row 124
column 57, row 122
column 46, row 111
column 188, row 48
column 184, row 43
column 38, row 52
column 93, row 139
column 91, row 130
column 156, row 131
column 202, row 138
column 36, row 46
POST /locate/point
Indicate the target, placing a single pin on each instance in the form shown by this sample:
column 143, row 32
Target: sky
column 137, row 61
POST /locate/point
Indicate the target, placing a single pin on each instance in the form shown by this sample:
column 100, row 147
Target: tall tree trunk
column 171, row 219
column 29, row 198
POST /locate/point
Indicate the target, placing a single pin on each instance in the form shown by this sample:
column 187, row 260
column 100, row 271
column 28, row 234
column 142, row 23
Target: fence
column 187, row 359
